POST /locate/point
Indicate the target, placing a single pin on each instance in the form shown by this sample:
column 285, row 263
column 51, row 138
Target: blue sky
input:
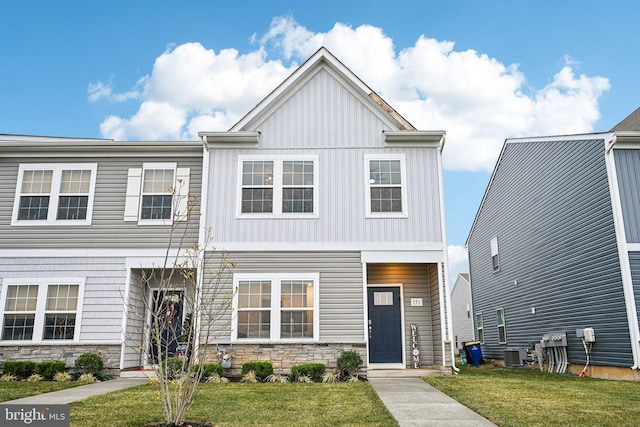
column 481, row 70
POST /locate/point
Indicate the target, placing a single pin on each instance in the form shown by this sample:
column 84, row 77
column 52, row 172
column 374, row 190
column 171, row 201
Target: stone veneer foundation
column 68, row 352
column 284, row 356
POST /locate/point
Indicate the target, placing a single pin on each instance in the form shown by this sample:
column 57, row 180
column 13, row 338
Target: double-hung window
column 502, row 327
column 479, row 328
column 60, row 194
column 157, row 193
column 274, row 307
column 495, row 257
column 278, row 186
column 386, row 185
column 41, row 310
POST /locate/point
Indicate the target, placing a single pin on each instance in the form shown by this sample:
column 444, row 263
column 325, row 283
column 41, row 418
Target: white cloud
column 458, row 262
column 477, row 99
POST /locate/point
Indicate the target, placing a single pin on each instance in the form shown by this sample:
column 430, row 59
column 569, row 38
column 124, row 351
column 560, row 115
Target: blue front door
column 385, row 330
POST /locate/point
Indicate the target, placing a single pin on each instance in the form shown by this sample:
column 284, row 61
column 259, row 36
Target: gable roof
column 322, row 58
column 629, row 123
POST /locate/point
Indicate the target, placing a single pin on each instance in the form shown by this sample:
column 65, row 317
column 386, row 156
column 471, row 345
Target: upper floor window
column 54, row 194
column 276, row 307
column 386, row 185
column 495, row 258
column 157, row 193
column 41, row 310
column 278, row 186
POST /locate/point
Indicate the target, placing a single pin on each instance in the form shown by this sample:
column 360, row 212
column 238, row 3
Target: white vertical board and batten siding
column 103, row 291
column 341, row 301
column 108, row 229
column 549, row 206
column 325, row 118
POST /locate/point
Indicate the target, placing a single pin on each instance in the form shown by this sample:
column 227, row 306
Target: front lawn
column 240, row 404
column 19, row 389
column 528, row 397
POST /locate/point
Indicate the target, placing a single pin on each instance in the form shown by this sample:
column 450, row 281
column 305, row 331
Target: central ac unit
column 514, row 357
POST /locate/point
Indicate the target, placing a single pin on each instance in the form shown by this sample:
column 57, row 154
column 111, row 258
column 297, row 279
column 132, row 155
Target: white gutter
column 623, row 252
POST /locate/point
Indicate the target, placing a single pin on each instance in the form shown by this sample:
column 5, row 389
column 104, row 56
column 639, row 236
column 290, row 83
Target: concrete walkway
column 415, row 403
column 82, row 392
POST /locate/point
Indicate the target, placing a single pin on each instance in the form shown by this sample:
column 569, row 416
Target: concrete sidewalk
column 415, row 403
column 82, row 392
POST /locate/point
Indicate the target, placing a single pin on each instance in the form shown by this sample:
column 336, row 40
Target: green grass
column 19, row 389
column 528, row 397
column 240, row 404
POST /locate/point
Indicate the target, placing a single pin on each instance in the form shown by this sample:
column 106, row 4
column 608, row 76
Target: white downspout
column 443, row 275
column 623, row 252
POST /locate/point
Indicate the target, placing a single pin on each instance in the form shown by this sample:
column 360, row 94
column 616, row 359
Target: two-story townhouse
column 330, row 205
column 79, row 221
column 555, row 250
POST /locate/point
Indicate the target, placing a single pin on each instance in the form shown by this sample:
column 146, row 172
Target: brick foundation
column 284, row 356
column 68, row 352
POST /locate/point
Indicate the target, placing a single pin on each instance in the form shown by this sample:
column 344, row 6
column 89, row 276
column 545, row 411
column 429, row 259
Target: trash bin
column 474, row 352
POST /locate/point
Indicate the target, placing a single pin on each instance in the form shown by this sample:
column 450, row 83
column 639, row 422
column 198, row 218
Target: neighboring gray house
column 79, row 219
column 327, row 201
column 555, row 249
column 462, row 311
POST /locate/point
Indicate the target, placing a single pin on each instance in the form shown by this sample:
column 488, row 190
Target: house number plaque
column 415, row 346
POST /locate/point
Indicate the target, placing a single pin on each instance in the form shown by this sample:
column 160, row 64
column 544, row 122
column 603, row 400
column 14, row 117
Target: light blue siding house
column 554, row 252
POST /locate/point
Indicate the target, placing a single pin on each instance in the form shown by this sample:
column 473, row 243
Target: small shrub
column 7, row 378
column 305, row 379
column 311, row 370
column 261, row 369
column 209, row 369
column 216, row 379
column 19, row 368
column 349, row 362
column 352, row 379
column 154, row 380
column 89, row 363
column 277, row 378
column 62, row 377
column 49, row 368
column 87, row 378
column 250, row 377
column 34, row 378
column 330, row 377
column 173, row 366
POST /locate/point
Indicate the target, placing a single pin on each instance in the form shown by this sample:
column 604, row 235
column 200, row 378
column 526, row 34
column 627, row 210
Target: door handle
column 370, row 331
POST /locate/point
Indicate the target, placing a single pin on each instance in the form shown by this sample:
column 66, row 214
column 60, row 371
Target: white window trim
column 277, row 187
column 403, row 185
column 495, row 253
column 54, row 193
column 501, row 325
column 41, row 305
column 479, row 328
column 133, row 197
column 275, row 279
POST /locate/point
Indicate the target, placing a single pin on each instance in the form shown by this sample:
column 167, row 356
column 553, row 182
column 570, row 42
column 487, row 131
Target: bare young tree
column 188, row 305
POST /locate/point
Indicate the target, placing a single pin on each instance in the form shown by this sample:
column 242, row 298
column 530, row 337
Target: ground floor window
column 502, row 327
column 479, row 328
column 41, row 310
column 276, row 307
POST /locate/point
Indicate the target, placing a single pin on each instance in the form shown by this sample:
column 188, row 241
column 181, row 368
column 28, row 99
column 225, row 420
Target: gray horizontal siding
column 341, row 210
column 341, row 308
column 627, row 167
column 634, row 261
column 549, row 206
column 108, row 230
column 462, row 321
column 103, row 292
